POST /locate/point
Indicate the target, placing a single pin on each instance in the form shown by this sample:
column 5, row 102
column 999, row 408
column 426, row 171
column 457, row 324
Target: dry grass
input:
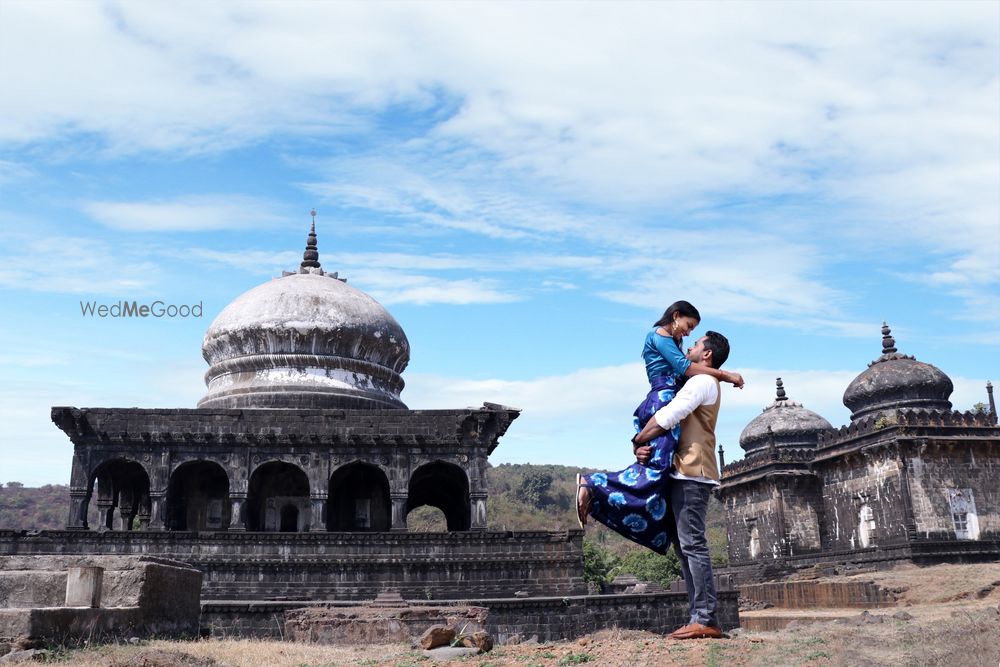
column 956, row 622
column 242, row 653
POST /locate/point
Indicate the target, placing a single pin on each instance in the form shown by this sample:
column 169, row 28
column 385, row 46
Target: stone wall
column 937, row 469
column 550, row 618
column 802, row 513
column 753, row 515
column 863, row 499
column 344, row 566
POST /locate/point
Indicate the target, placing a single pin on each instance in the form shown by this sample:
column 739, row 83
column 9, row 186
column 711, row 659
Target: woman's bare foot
column 583, row 499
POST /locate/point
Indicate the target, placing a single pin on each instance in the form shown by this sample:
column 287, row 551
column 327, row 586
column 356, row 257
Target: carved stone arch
column 444, row 485
column 274, row 486
column 122, row 485
column 358, row 498
column 198, row 496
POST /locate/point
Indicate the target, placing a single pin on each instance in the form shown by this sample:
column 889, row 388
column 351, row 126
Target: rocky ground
column 945, row 615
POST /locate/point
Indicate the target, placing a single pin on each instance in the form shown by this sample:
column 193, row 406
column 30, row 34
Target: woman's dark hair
column 682, row 308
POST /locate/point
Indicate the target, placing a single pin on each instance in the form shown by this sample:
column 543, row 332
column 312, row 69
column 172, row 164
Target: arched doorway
column 122, row 489
column 444, row 486
column 359, row 499
column 198, row 497
column 274, row 487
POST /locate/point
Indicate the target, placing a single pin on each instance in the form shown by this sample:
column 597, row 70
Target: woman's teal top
column 663, row 356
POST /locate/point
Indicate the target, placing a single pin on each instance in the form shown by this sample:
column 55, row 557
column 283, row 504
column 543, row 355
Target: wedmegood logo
column 136, row 309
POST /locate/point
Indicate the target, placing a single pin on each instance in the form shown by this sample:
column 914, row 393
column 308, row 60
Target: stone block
column 145, row 596
column 83, row 586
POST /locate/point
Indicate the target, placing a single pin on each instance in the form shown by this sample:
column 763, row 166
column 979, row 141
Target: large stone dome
column 784, row 423
column 304, row 340
column 896, row 381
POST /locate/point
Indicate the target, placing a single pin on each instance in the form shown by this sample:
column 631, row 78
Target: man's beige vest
column 695, row 453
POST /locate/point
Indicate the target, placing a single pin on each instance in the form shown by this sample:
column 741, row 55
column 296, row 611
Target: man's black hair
column 717, row 344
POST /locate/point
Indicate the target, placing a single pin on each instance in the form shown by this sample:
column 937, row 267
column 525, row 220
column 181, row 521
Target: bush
column 597, row 563
column 650, row 566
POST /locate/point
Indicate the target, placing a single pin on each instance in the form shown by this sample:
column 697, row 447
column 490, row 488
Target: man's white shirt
column 697, row 391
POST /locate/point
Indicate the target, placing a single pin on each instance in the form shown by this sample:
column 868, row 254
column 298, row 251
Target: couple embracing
column 662, row 498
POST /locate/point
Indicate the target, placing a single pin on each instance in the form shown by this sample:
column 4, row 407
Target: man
column 694, row 475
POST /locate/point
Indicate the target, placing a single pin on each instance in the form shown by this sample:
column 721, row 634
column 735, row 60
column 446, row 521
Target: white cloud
column 884, row 119
column 47, row 262
column 392, row 287
column 584, row 418
column 186, row 214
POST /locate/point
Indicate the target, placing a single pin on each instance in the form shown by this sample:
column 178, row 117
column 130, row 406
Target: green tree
column 648, row 565
column 534, row 488
column 597, row 563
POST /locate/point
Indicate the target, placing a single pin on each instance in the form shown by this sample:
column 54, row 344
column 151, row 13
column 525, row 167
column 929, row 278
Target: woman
column 632, row 501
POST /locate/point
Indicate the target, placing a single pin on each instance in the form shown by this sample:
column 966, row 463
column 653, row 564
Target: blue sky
column 524, row 186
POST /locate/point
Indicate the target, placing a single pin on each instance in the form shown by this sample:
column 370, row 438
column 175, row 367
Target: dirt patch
column 161, row 658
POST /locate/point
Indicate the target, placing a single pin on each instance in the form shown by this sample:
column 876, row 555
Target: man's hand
column 643, row 453
column 649, row 431
column 734, row 379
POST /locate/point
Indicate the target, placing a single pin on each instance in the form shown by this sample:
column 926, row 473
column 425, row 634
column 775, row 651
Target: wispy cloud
column 58, row 263
column 393, row 287
column 186, row 214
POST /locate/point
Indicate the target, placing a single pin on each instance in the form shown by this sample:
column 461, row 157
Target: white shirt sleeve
column 699, row 390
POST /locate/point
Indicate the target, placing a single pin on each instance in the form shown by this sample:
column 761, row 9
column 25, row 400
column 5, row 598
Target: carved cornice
column 363, row 429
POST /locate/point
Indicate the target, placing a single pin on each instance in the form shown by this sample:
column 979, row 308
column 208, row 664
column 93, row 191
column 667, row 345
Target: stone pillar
column 83, row 586
column 317, row 513
column 126, row 510
column 79, row 502
column 106, row 512
column 477, row 503
column 157, row 502
column 238, row 520
column 399, row 511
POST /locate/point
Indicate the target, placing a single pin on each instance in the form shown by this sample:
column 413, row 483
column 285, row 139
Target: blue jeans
column 689, row 505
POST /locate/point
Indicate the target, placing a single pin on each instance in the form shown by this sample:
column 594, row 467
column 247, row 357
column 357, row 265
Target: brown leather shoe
column 699, row 631
column 684, row 629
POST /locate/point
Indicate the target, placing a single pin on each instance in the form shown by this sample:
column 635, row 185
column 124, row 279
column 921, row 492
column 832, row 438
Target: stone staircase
column 773, row 606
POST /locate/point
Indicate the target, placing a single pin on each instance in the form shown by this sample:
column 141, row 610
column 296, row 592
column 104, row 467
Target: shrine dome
column 785, row 424
column 897, row 381
column 305, row 340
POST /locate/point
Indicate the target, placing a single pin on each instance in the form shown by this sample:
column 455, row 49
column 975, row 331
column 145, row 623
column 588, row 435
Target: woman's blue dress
column 633, row 501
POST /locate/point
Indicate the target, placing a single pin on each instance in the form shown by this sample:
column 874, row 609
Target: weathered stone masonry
column 139, row 458
column 908, row 479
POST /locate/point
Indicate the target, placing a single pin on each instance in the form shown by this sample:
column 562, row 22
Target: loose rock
column 445, row 653
column 25, row 656
column 437, row 635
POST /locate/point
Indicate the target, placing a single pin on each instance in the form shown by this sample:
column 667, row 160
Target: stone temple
column 291, row 482
column 908, row 480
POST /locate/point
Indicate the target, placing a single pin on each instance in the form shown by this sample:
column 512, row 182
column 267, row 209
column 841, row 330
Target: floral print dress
column 633, row 501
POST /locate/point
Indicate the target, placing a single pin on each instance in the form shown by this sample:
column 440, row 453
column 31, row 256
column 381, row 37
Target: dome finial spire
column 310, row 258
column 780, row 396
column 888, row 344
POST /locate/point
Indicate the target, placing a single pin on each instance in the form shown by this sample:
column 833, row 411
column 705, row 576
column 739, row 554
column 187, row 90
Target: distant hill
column 27, row 508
